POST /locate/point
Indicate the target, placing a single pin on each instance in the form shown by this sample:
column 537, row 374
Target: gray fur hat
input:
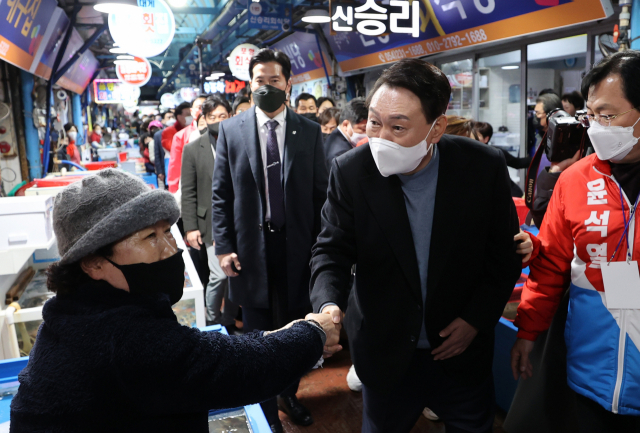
column 104, row 208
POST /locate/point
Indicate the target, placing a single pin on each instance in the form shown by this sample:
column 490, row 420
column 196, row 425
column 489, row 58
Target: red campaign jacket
column 581, row 229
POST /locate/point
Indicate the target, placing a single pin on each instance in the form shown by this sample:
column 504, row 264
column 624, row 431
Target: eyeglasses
column 602, row 119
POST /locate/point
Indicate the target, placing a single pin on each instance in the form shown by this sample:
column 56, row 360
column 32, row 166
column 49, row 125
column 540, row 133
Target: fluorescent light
column 118, row 50
column 316, row 16
column 511, row 67
column 125, row 57
column 112, row 8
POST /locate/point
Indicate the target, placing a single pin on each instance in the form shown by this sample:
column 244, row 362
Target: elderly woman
column 110, row 354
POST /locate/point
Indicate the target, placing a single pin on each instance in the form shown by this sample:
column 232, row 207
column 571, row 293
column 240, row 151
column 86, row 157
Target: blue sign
column 302, row 49
column 263, row 16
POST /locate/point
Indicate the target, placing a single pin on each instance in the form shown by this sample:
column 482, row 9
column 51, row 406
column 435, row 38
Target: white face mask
column 612, row 143
column 391, row 158
column 72, row 135
column 171, row 121
column 356, row 138
column 188, row 120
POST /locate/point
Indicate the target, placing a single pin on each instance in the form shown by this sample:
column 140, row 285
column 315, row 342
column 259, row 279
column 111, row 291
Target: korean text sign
column 24, row 23
column 386, row 33
column 265, row 16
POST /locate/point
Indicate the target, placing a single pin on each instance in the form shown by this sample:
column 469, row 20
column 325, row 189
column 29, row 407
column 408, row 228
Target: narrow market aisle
column 337, row 409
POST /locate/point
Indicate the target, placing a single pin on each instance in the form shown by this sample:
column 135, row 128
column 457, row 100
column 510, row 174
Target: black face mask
column 165, row 276
column 324, row 136
column 203, row 131
column 214, row 128
column 536, row 122
column 269, row 98
column 311, row 116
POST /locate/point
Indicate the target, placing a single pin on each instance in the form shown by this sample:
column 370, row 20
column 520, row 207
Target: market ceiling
column 224, row 22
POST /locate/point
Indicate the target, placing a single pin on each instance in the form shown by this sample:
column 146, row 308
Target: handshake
column 331, row 321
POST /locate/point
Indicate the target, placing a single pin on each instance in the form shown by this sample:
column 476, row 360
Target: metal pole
column 324, row 66
column 199, row 44
column 56, row 64
column 30, row 131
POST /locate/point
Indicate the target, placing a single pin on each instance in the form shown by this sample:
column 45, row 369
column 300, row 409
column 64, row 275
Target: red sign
column 136, row 72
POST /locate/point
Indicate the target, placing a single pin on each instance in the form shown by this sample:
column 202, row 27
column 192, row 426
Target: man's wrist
column 319, row 327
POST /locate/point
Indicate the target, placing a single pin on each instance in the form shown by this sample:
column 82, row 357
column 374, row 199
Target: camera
column 565, row 135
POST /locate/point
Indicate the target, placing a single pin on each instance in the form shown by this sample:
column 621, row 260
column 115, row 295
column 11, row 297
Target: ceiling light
column 113, row 6
column 125, row 57
column 178, row 3
column 316, row 16
column 118, row 50
column 506, row 68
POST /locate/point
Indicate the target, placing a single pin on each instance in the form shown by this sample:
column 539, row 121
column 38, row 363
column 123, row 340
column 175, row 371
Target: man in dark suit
column 422, row 311
column 197, row 177
column 269, row 185
column 352, row 129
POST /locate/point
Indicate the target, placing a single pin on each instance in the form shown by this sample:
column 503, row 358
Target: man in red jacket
column 183, row 118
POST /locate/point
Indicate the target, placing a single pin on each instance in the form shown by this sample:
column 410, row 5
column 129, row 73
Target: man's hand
column 524, row 248
column 332, row 330
column 335, row 313
column 194, row 239
column 563, row 165
column 520, row 363
column 225, row 263
column 459, row 335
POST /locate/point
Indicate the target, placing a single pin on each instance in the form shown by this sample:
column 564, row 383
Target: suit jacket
column 197, row 178
column 473, row 265
column 335, row 145
column 239, row 204
column 158, row 150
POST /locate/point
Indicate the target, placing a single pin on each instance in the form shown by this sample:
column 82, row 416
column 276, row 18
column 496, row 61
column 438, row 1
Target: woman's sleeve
column 168, row 368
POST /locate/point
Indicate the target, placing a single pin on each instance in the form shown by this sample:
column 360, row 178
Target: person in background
column 324, row 103
column 96, row 135
column 154, row 126
column 420, row 335
column 572, row 102
column 181, row 138
column 144, row 142
column 266, row 209
column 110, row 354
column 183, row 119
column 547, row 91
column 241, row 104
column 588, row 243
column 198, row 160
column 69, row 150
column 202, row 129
column 159, row 156
column 545, row 104
column 168, row 118
column 460, row 126
column 350, row 131
column 306, row 103
column 329, row 121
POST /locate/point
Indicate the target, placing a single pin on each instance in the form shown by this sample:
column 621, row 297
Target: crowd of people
column 349, row 217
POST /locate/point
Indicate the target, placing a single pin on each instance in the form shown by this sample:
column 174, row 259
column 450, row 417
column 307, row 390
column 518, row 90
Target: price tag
column 621, row 285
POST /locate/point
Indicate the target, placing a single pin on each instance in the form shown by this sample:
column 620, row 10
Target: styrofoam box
column 109, row 154
column 25, row 221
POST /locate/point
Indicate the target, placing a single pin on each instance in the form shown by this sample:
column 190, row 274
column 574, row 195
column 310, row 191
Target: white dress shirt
column 262, row 120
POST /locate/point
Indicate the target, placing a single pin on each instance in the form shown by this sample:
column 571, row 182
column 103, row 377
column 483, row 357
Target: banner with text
column 306, row 63
column 444, row 25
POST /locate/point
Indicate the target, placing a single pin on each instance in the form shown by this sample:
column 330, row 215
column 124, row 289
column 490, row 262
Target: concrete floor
column 337, row 409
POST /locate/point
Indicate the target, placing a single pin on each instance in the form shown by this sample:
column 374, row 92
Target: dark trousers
column 278, row 314
column 464, row 409
column 593, row 418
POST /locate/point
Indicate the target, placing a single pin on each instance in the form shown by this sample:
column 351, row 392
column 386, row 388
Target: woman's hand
column 524, row 248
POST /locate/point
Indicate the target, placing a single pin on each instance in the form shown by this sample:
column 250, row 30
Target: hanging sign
column 109, row 91
column 168, row 100
column 224, row 86
column 305, row 56
column 136, row 72
column 239, row 61
column 360, row 41
column 264, row 16
column 146, row 32
column 23, row 29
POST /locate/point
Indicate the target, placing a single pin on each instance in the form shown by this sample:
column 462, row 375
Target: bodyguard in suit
column 269, row 185
column 422, row 311
column 351, row 130
column 198, row 160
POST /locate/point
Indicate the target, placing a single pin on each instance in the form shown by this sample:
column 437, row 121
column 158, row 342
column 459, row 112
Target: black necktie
column 276, row 195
